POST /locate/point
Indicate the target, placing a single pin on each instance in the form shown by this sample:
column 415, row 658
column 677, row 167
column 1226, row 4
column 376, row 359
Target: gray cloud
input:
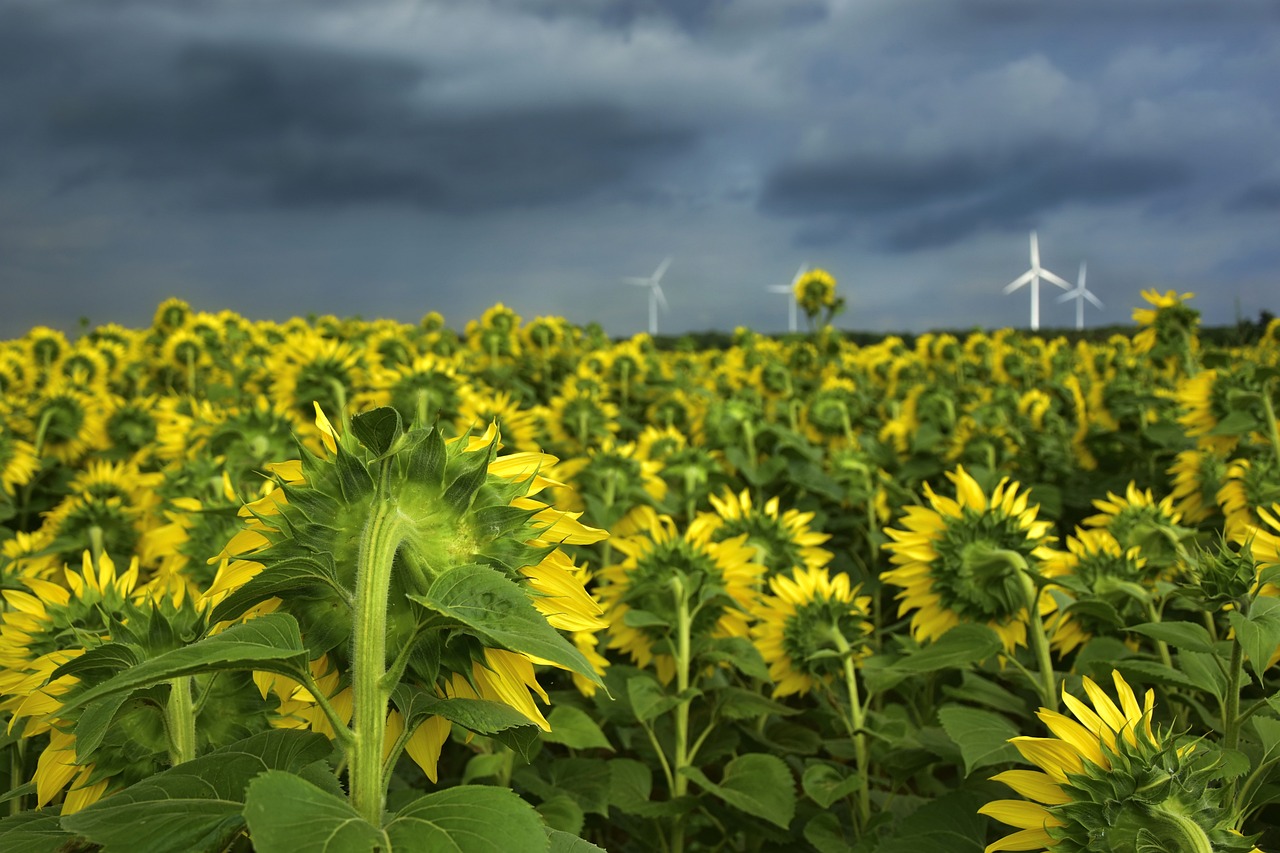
column 298, row 125
column 1263, row 196
column 913, row 202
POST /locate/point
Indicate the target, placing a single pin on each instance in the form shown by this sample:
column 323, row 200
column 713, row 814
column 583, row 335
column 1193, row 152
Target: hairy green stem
column 180, row 721
column 1272, row 427
column 856, row 725
column 684, row 664
column 1039, row 643
column 378, row 544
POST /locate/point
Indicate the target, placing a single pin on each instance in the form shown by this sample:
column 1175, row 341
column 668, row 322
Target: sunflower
column 963, row 560
column 1109, row 783
column 1169, row 326
column 1138, row 519
column 782, row 542
column 615, row 476
column 308, row 368
column 1096, row 569
column 426, row 387
column 65, row 422
column 18, row 462
column 655, row 552
column 517, row 424
column 577, row 419
column 1246, row 485
column 1201, row 399
column 486, row 518
column 1197, row 477
column 795, row 624
column 45, row 347
column 131, row 427
column 815, row 293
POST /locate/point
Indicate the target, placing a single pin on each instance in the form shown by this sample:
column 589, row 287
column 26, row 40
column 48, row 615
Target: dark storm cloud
column 1264, row 196
column 914, row 203
column 294, row 125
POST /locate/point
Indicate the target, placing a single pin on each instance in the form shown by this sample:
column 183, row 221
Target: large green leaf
column 286, row 813
column 498, row 611
column 563, row 842
column 492, row 719
column 36, row 832
column 301, row 574
column 575, row 729
column 271, row 643
column 983, row 736
column 1259, row 633
column 197, row 805
column 961, row 646
column 825, row 784
column 466, row 819
column 377, row 429
column 756, row 783
column 1182, row 635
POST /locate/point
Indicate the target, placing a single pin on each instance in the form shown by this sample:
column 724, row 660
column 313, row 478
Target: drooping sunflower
column 1197, row 477
column 1247, row 484
column 1095, row 568
column 460, row 509
column 309, row 368
column 654, row 552
column 518, row 424
column 796, row 622
column 1138, row 519
column 782, row 541
column 1110, row 783
column 962, row 559
column 426, row 387
column 64, row 422
column 18, row 462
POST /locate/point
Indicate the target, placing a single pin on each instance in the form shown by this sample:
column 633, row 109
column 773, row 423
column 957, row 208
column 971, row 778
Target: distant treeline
column 1243, row 333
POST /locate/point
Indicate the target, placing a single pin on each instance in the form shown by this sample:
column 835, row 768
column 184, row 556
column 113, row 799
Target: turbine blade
column 637, row 280
column 1019, row 281
column 1087, row 295
column 661, row 270
column 662, row 300
column 804, row 268
column 779, row 288
column 1075, row 294
column 1080, row 278
column 1035, row 251
column 1055, row 279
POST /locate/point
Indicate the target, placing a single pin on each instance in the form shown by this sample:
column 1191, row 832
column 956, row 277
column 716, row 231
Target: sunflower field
column 348, row 586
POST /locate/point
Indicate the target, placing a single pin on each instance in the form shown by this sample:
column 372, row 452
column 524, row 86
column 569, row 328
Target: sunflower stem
column 378, row 544
column 180, row 721
column 680, row 785
column 1039, row 642
column 1231, row 702
column 856, row 723
column 1272, row 428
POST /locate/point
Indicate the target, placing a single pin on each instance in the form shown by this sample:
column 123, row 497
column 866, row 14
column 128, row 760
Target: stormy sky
column 385, row 158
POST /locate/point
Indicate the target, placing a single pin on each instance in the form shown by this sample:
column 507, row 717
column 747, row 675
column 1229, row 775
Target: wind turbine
column 656, row 296
column 790, row 289
column 1080, row 294
column 1033, row 276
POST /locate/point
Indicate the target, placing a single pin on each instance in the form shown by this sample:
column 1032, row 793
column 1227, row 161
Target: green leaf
column 562, row 813
column 586, row 780
column 296, row 575
column 826, row 834
column 630, row 783
column 1205, row 671
column 741, row 653
column 643, row 619
column 1182, row 635
column 107, row 659
column 962, row 645
column 757, row 783
column 461, row 493
column 465, row 819
column 948, row 824
column 648, row 699
column 286, row 813
column 93, row 724
column 983, row 736
column 428, row 458
column 1149, row 672
column 563, row 842
column 197, row 805
column 575, row 729
column 1259, row 633
column 377, row 429
column 353, row 478
column 824, row 784
column 478, row 715
column 36, row 832
column 739, row 703
column 497, row 611
column 270, row 643
column 977, row 689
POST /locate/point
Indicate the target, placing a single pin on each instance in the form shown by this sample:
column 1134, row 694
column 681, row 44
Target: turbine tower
column 1033, row 276
column 1080, row 294
column 656, row 297
column 790, row 289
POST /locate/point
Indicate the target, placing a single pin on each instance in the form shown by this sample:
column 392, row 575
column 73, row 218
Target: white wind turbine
column 1080, row 294
column 656, row 297
column 790, row 290
column 1033, row 276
